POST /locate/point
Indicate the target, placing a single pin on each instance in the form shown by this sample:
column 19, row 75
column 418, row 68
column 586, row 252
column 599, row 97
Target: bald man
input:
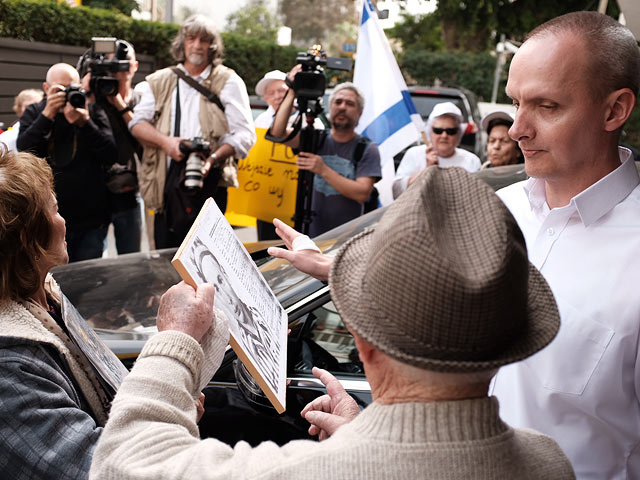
column 78, row 144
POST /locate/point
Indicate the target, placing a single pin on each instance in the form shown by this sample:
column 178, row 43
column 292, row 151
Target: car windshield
column 425, row 103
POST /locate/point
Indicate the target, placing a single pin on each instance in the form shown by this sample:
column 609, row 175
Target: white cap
column 445, row 108
column 269, row 77
column 493, row 116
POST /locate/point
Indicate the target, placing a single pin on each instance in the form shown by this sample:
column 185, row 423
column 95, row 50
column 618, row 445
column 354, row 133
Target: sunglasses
column 450, row 131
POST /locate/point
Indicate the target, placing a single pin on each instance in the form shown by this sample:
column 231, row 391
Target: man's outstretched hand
column 307, row 260
column 329, row 412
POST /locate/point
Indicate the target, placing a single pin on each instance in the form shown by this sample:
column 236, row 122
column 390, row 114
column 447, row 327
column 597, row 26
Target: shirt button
column 550, row 231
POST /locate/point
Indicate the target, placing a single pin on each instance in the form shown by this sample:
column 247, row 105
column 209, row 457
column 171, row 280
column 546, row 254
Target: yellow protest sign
column 268, row 180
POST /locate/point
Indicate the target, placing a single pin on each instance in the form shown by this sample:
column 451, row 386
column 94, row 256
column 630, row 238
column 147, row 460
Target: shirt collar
column 598, row 199
column 204, row 75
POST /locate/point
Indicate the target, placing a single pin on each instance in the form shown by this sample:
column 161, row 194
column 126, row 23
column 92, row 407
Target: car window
column 326, row 343
column 425, row 103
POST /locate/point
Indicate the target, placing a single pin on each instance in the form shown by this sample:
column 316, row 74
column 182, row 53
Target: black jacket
column 79, row 158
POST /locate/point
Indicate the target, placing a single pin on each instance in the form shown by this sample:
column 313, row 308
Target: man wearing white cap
column 273, row 89
column 444, row 132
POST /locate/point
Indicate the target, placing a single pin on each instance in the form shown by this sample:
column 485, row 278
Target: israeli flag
column 389, row 118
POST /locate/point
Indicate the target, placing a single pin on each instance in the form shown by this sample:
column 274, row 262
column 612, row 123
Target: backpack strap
column 361, row 146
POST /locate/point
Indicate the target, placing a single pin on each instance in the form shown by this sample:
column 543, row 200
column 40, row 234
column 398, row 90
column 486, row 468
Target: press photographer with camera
column 198, row 98
column 109, row 67
column 75, row 138
column 345, row 164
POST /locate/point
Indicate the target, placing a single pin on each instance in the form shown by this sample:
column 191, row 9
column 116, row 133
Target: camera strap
column 176, row 124
column 208, row 94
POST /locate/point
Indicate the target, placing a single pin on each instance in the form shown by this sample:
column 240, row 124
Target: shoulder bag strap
column 208, row 94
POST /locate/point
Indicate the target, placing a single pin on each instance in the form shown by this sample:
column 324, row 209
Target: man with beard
column 346, row 165
column 175, row 107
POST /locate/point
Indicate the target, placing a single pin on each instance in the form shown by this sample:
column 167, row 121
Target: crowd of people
column 493, row 342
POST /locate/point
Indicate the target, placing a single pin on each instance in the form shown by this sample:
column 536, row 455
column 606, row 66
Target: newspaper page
column 211, row 253
column 103, row 360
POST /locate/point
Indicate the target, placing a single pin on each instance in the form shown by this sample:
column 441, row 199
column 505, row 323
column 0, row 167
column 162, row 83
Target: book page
column 212, row 253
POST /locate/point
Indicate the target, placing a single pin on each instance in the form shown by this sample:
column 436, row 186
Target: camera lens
column 76, row 98
column 193, row 173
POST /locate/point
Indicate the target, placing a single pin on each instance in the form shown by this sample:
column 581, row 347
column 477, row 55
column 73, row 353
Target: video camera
column 96, row 62
column 310, row 83
column 197, row 150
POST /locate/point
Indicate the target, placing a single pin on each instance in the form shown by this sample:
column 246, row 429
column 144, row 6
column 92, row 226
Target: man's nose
column 521, row 127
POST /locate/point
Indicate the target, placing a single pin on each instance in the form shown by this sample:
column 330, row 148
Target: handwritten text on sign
column 268, row 179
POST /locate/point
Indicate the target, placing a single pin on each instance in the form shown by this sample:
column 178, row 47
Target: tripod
column 310, row 139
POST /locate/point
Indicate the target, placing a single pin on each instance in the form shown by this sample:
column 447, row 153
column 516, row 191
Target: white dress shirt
column 584, row 388
column 415, row 160
column 265, row 119
column 10, row 136
column 233, row 97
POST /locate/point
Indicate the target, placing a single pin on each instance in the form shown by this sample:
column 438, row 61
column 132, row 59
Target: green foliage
column 49, row 21
column 470, row 70
column 418, row 31
column 123, row 6
column 311, row 21
column 53, row 22
column 252, row 58
column 254, row 21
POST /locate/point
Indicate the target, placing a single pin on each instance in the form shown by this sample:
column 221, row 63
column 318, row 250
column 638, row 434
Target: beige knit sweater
column 152, row 434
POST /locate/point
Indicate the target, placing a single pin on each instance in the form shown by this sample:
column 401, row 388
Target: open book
column 211, row 253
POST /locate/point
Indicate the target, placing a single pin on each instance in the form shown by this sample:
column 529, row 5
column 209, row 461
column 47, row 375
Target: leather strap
column 208, row 94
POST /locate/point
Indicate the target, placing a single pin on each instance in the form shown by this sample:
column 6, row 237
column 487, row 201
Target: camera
column 196, row 149
column 97, row 62
column 311, row 81
column 75, row 95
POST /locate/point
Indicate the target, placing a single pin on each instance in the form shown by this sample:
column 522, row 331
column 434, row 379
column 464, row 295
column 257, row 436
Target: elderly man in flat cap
column 438, row 297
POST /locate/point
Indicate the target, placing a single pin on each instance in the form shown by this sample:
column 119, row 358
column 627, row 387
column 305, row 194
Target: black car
column 119, row 297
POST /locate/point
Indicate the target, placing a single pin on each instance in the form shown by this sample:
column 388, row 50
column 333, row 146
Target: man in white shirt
column 574, row 83
column 171, row 110
column 273, row 89
column 445, row 133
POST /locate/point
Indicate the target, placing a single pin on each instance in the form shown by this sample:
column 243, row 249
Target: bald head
column 62, row 74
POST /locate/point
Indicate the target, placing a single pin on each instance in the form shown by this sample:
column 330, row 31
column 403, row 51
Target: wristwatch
column 213, row 157
column 125, row 110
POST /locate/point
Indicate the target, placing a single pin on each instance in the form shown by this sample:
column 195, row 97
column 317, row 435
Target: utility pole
column 498, row 70
column 168, row 11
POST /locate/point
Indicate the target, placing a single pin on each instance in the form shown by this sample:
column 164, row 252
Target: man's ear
column 45, row 87
column 620, row 104
column 365, row 350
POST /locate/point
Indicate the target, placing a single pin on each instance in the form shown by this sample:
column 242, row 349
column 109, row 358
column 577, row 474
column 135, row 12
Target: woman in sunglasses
column 444, row 134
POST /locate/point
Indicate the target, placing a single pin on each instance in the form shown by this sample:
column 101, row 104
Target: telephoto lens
column 193, row 173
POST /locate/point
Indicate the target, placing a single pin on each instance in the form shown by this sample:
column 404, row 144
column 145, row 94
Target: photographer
column 122, row 180
column 199, row 97
column 76, row 140
column 345, row 172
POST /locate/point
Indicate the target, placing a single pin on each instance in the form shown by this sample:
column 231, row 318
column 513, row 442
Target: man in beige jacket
column 172, row 110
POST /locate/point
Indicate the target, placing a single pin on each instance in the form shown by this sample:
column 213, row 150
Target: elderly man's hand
column 329, row 412
column 187, row 310
column 309, row 261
